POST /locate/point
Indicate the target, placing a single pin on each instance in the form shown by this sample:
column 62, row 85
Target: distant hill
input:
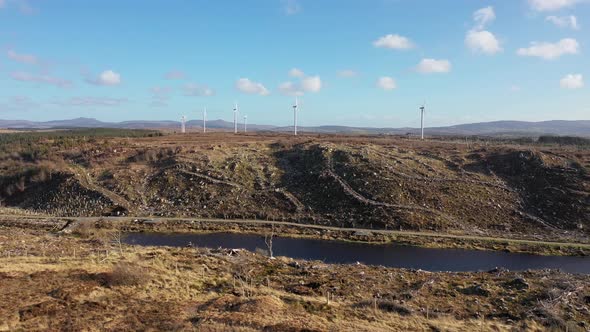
column 496, row 128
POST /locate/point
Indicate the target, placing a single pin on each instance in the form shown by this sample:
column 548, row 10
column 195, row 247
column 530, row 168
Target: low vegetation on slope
column 381, row 183
column 88, row 280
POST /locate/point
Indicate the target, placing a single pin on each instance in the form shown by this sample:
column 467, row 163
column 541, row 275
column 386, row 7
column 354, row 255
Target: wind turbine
column 183, row 124
column 205, row 120
column 295, row 106
column 245, row 123
column 422, row 108
column 235, row 118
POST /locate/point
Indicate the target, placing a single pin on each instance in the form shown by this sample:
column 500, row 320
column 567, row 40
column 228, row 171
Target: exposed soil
column 345, row 181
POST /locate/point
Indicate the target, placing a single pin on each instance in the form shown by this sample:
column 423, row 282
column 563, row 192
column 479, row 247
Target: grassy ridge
column 33, row 136
column 26, row 143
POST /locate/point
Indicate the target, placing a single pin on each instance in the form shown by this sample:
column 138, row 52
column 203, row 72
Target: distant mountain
column 555, row 127
column 496, row 128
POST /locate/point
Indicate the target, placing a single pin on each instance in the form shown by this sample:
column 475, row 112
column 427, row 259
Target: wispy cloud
column 550, row 51
column 551, row 5
column 161, row 93
column 291, row 89
column 44, row 79
column 291, row 7
column 484, row 16
column 22, row 5
column 348, row 73
column 22, row 58
column 295, row 72
column 160, row 96
column 92, row 101
column 175, row 75
column 572, row 81
column 198, row 90
column 18, row 103
column 564, row 21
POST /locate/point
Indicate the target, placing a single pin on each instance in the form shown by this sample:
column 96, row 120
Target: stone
column 475, row 290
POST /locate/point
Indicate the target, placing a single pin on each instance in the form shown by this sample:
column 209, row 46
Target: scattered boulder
column 517, row 283
column 475, row 290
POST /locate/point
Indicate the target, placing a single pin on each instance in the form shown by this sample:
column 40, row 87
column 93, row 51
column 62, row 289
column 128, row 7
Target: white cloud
column 347, row 73
column 311, row 84
column 305, row 84
column 550, row 51
column 250, row 87
column 515, row 88
column 550, row 5
column 23, row 58
column 484, row 16
column 386, row 83
column 290, row 89
column 45, row 79
column 564, row 21
column 394, row 42
column 479, row 40
column 175, row 75
column 198, row 90
column 296, row 73
column 482, row 41
column 427, row 66
column 107, row 77
column 291, row 7
column 572, row 81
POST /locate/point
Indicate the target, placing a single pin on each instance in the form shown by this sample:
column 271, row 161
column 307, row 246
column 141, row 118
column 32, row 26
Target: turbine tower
column 235, row 118
column 205, row 120
column 183, row 124
column 295, row 106
column 245, row 123
column 422, row 108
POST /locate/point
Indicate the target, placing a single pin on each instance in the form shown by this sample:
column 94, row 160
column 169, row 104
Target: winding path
column 71, row 221
column 349, row 190
column 86, row 181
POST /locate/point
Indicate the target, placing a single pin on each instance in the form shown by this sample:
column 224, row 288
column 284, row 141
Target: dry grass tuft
column 127, row 274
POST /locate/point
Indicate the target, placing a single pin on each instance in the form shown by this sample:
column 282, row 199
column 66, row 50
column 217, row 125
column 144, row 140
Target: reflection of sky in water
column 386, row 255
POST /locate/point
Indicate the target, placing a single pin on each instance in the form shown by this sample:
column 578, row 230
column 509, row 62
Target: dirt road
column 71, row 221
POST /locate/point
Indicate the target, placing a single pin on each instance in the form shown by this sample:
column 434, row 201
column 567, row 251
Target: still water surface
column 391, row 255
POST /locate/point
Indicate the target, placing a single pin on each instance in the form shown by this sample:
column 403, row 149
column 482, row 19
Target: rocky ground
column 88, row 280
column 534, row 192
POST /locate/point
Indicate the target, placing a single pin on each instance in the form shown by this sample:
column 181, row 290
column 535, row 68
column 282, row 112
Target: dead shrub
column 127, row 274
column 385, row 306
column 85, row 229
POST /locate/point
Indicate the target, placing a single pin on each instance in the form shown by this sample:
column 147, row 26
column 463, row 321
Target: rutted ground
column 381, row 183
column 87, row 281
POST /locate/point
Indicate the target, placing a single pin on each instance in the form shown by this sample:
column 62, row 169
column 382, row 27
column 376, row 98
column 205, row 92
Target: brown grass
column 127, row 274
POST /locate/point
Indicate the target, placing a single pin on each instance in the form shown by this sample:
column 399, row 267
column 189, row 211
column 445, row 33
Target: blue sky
column 351, row 62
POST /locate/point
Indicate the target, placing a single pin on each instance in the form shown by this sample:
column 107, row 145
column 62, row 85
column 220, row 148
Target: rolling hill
column 496, row 128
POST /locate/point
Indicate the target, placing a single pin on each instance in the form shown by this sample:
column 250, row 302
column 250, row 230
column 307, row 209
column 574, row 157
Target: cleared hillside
column 368, row 182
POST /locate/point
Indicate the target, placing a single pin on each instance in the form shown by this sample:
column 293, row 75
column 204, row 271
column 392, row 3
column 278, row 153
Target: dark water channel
column 390, row 255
